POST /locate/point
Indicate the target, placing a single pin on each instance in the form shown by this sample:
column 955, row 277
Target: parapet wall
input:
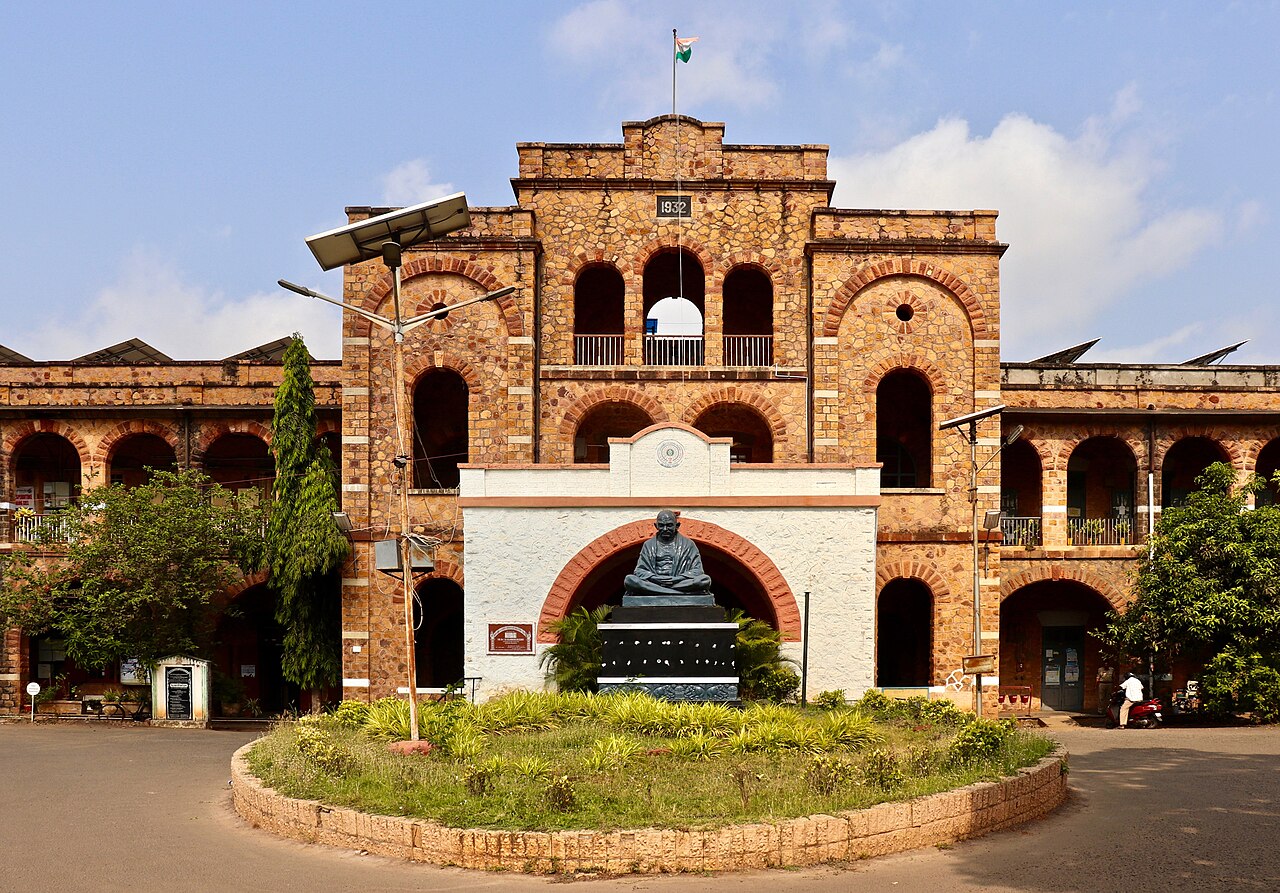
column 888, row 828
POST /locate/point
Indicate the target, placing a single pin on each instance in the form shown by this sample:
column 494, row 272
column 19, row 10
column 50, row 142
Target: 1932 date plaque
column 675, row 206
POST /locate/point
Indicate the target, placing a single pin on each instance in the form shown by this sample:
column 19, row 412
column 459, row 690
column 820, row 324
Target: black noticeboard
column 177, row 692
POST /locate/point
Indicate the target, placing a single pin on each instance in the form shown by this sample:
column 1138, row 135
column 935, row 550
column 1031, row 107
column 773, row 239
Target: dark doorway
column 904, row 425
column 440, row 429
column 904, row 633
column 247, row 656
column 605, row 420
column 1062, row 668
column 438, row 637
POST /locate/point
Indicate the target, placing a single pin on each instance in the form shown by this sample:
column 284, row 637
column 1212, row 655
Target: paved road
column 103, row 808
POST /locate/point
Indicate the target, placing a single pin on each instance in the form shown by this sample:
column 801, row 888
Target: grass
column 552, row 762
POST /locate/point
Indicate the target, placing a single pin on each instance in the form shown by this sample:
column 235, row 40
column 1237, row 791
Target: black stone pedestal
column 678, row 652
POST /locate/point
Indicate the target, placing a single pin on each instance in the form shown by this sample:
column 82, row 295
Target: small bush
column 351, row 714
column 829, row 700
column 777, row 684
column 612, row 753
column 561, row 796
column 319, row 748
column 533, row 768
column 479, row 778
column 921, row 760
column 825, row 774
column 881, row 769
column 851, row 729
column 981, row 740
column 698, row 746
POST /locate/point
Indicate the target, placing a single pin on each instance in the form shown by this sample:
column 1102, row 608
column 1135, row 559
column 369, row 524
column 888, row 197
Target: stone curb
column 887, row 828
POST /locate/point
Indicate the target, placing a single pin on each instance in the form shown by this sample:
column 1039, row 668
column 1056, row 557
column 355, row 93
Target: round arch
column 849, row 290
column 482, row 276
column 728, row 546
column 210, row 433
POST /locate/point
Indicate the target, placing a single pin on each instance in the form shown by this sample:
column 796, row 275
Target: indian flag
column 684, row 47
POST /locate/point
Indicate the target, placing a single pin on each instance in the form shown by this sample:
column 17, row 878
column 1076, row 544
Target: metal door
column 1062, row 676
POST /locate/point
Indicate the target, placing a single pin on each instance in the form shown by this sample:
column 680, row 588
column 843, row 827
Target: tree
column 573, row 662
column 1210, row 592
column 304, row 547
column 138, row 570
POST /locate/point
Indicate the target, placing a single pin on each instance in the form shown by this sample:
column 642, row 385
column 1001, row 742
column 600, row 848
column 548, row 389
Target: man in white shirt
column 1132, row 687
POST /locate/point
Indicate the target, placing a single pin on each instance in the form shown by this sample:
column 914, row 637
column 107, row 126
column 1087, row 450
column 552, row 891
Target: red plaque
column 511, row 638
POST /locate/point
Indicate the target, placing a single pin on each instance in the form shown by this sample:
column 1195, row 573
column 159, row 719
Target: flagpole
column 674, row 48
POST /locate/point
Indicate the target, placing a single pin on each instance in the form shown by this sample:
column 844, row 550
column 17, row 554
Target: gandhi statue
column 669, row 566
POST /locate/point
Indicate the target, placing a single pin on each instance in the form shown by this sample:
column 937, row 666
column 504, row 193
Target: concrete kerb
column 887, row 828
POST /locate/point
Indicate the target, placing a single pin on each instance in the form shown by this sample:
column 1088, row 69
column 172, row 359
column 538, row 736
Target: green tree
column 1209, row 592
column 573, row 663
column 138, row 569
column 304, row 547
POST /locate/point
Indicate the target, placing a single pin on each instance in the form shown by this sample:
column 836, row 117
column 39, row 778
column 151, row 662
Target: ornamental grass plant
column 552, row 761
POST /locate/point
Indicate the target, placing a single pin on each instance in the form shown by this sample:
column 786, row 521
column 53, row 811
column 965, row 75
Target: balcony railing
column 1020, row 531
column 50, row 527
column 748, row 350
column 598, row 350
column 673, row 350
column 1101, row 531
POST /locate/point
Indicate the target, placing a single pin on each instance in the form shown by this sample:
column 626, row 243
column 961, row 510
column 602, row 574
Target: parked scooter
column 1142, row 715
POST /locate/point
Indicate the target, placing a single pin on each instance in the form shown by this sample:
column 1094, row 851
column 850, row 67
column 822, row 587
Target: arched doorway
column 751, row 435
column 674, row 309
column 615, row 418
column 1020, row 495
column 748, row 317
column 904, row 634
column 247, row 657
column 1267, row 465
column 1183, row 463
column 438, row 641
column 134, row 457
column 598, row 317
column 1101, row 476
column 240, row 462
column 45, row 479
column 1046, row 643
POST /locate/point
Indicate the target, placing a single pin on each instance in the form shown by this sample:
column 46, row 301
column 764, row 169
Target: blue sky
column 162, row 163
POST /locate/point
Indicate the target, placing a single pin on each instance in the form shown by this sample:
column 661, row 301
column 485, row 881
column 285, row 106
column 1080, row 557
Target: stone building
column 694, row 327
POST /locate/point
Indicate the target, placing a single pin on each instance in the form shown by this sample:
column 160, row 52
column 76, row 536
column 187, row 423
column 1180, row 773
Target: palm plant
column 573, row 663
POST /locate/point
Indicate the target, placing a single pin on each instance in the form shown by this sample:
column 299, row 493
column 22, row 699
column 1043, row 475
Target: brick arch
column 767, row 265
column 1261, row 439
column 911, row 570
column 112, row 439
column 210, row 433
column 901, row 266
column 559, row 600
column 574, row 414
column 646, row 253
column 19, row 433
column 1071, row 571
column 231, row 593
column 740, row 397
column 446, row 568
column 417, row 364
column 937, row 381
column 1061, row 456
column 1225, row 441
column 583, row 259
column 435, row 263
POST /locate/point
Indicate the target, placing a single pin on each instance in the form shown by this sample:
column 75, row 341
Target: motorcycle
column 1142, row 715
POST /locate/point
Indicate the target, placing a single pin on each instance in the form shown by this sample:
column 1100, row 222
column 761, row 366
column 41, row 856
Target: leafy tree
column 1210, row 592
column 304, row 547
column 763, row 673
column 138, row 570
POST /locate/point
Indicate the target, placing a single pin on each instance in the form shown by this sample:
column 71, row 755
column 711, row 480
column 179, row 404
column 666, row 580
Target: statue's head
column 667, row 525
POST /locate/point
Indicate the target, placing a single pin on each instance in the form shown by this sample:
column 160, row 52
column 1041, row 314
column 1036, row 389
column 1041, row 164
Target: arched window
column 1020, row 494
column 674, row 308
column 45, row 478
column 598, row 320
column 1101, row 475
column 748, row 318
column 1183, row 463
column 132, row 456
column 752, row 437
column 904, row 429
column 1267, row 466
column 440, row 429
column 240, row 462
column 904, row 633
column 604, row 420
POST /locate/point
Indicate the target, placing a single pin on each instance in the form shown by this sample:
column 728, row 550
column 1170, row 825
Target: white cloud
column 1079, row 214
column 1154, row 351
column 152, row 300
column 410, row 183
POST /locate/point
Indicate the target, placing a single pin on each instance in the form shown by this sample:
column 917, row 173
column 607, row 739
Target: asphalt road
column 103, row 808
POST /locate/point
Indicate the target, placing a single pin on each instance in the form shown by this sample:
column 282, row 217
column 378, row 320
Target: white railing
column 44, row 528
column 598, row 350
column 673, row 350
column 1020, row 531
column 748, row 350
column 1100, row 531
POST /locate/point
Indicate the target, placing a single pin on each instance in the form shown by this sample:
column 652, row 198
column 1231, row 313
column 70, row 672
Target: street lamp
column 971, row 420
column 385, row 237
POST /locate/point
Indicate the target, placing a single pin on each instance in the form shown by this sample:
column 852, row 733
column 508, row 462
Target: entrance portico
column 542, row 539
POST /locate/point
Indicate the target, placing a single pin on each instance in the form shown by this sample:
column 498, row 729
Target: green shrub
column 573, row 662
column 351, row 714
column 612, row 753
column 981, row 740
column 561, row 796
column 480, row 778
column 763, row 673
column 698, row 746
column 851, row 729
column 829, row 700
column 532, row 768
column 319, row 748
column 1242, row 680
column 881, row 769
column 388, row 718
column 921, row 760
column 825, row 774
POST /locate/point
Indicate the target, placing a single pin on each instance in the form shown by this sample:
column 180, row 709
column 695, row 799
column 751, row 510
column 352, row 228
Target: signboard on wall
column 24, row 497
column 511, row 638
column 978, row 663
